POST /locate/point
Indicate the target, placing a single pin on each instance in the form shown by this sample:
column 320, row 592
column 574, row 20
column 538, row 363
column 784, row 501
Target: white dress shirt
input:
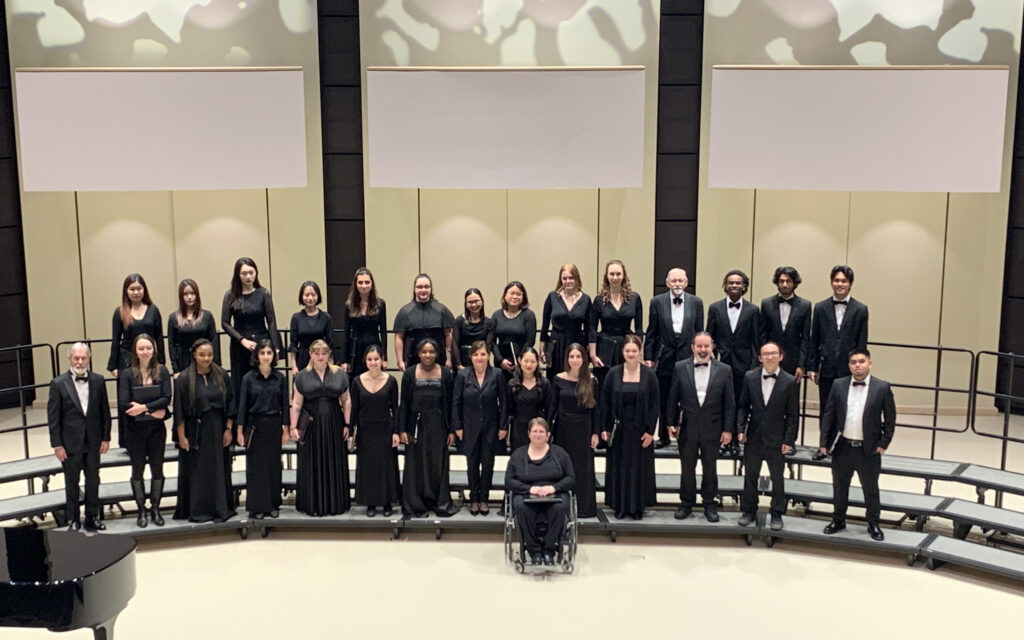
column 677, row 312
column 82, row 387
column 734, row 314
column 853, row 428
column 701, row 376
column 840, row 310
column 767, row 385
column 785, row 310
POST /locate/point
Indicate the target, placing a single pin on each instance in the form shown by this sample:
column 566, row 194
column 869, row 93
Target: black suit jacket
column 707, row 421
column 738, row 349
column 775, row 423
column 72, row 426
column 796, row 338
column 480, row 410
column 830, row 348
column 879, row 415
column 661, row 344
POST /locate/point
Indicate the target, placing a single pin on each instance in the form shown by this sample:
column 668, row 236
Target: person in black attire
column 424, row 317
column 247, row 316
column 143, row 396
column 565, row 321
column 702, row 413
column 308, row 325
column 375, row 424
column 573, row 413
column 262, row 425
column 630, row 406
column 470, row 327
column 674, row 318
column 614, row 309
column 528, row 396
column 735, row 326
column 189, row 323
column 480, row 421
column 364, row 324
column 424, row 424
column 515, row 327
column 839, row 325
column 78, row 416
column 767, row 417
column 786, row 321
column 856, row 428
column 204, row 405
column 540, row 470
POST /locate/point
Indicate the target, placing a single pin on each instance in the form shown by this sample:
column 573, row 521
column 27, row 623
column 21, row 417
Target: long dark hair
column 372, row 302
column 216, row 373
column 136, row 365
column 236, row 281
column 126, row 304
column 465, row 310
column 521, row 287
column 585, row 385
column 182, row 313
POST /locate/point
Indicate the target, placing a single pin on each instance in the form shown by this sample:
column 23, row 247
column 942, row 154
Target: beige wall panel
column 463, row 235
column 123, row 233
column 802, row 229
column 392, row 243
column 626, row 232
column 724, row 235
column 546, row 230
column 896, row 246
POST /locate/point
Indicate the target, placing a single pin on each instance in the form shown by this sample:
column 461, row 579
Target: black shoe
column 747, row 519
column 639, row 515
column 142, row 521
column 619, row 515
column 94, row 524
column 661, row 444
column 535, row 558
column 156, row 494
column 834, row 527
column 274, row 513
column 711, row 513
column 474, row 508
column 549, row 559
column 682, row 513
column 387, row 511
column 723, row 451
column 819, row 456
column 258, row 516
column 156, row 518
column 776, row 523
column 371, row 512
column 74, row 526
column 484, row 509
column 139, row 493
column 875, row 532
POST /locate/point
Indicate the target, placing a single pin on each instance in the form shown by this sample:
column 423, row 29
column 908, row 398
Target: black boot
column 155, row 495
column 139, row 493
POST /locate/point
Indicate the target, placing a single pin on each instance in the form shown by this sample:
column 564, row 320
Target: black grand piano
column 64, row 580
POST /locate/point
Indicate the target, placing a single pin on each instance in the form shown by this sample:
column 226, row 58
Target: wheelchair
column 515, row 553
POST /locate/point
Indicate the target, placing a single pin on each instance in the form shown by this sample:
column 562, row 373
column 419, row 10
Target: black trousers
column 754, row 453
column 824, row 389
column 845, row 460
column 664, row 386
column 89, row 462
column 528, row 517
column 480, row 470
column 689, row 452
column 145, row 443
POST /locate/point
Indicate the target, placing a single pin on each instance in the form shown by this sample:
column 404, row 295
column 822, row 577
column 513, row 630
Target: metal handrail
column 1005, row 436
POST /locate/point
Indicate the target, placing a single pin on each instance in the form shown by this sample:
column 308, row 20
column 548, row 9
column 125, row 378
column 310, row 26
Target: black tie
column 843, row 302
column 770, row 375
column 785, row 300
column 734, row 305
column 84, row 378
column 701, row 364
column 677, row 301
column 859, row 384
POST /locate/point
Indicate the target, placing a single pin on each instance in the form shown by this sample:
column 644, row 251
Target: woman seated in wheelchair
column 539, row 476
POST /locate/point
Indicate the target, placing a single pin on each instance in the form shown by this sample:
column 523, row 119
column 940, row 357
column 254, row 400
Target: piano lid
column 32, row 556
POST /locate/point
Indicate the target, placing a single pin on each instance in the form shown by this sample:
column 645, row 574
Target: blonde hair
column 574, row 272
column 317, row 346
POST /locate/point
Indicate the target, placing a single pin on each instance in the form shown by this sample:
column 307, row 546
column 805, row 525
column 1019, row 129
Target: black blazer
column 480, row 411
column 407, row 417
column 738, row 349
column 775, row 423
column 660, row 343
column 126, row 391
column 716, row 415
column 72, row 427
column 879, row 415
column 648, row 399
column 796, row 338
column 830, row 348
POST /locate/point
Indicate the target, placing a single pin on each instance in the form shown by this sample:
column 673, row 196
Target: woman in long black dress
column 262, row 425
column 321, row 390
column 308, row 325
column 375, row 421
column 515, row 327
column 630, row 402
column 136, row 315
column 529, row 394
column 572, row 413
column 424, row 423
column 143, row 396
column 480, row 422
column 614, row 309
column 189, row 323
column 247, row 316
column 365, row 324
column 472, row 326
column 203, row 410
column 424, row 317
column 565, row 321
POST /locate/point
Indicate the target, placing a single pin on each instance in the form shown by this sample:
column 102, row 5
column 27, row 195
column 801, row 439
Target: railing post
column 1007, row 407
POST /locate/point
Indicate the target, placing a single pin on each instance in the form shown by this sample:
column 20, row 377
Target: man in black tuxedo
column 767, row 418
column 856, row 429
column 702, row 392
column 735, row 326
column 673, row 319
column 78, row 415
column 839, row 325
column 786, row 320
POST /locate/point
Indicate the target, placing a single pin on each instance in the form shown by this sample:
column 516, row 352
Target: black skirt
column 263, row 464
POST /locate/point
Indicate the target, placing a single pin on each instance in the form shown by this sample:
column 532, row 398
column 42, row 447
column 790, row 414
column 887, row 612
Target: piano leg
column 104, row 630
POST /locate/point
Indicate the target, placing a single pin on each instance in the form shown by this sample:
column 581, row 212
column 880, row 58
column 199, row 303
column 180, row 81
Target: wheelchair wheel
column 519, row 565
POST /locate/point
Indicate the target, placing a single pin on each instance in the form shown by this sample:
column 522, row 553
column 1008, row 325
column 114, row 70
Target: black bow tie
column 770, row 375
column 701, row 364
column 785, row 300
column 677, row 301
column 735, row 305
column 843, row 302
column 84, row 378
column 859, row 384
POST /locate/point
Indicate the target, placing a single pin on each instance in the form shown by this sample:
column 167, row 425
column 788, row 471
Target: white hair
column 79, row 346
